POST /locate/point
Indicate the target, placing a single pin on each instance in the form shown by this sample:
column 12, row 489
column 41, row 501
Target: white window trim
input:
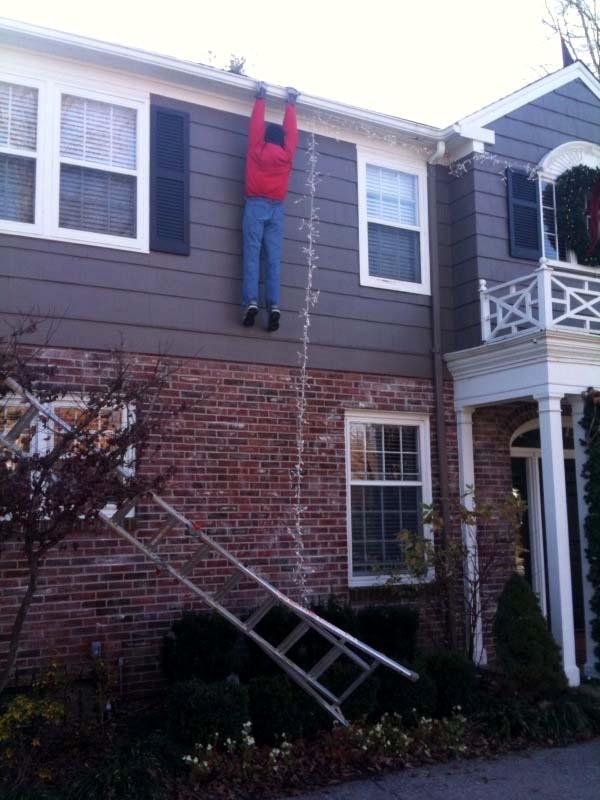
column 48, row 160
column 400, row 163
column 377, row 417
column 42, row 440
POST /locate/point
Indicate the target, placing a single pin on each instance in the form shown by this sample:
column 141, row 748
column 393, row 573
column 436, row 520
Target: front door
column 527, row 478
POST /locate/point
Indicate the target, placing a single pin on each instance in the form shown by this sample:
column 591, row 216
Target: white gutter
column 24, row 35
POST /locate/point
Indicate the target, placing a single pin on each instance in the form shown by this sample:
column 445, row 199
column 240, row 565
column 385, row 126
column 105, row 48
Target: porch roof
column 538, row 364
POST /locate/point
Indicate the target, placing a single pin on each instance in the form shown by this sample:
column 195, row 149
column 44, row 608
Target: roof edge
column 528, row 93
column 47, row 40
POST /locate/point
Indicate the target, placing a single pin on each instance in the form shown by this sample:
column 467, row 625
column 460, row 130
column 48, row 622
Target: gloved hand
column 261, row 90
column 292, row 95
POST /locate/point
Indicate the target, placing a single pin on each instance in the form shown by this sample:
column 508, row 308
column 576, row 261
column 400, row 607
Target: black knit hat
column 274, row 134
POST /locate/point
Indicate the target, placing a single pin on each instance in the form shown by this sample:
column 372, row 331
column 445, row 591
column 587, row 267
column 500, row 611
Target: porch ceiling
column 535, row 365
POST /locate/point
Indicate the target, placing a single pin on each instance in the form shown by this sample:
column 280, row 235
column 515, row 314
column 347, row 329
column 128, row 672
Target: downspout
column 438, row 363
column 436, row 325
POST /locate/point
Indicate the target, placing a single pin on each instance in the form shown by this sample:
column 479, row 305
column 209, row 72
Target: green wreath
column 573, row 188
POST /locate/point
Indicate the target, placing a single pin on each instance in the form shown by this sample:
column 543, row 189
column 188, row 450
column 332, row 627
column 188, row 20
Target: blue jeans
column 262, row 227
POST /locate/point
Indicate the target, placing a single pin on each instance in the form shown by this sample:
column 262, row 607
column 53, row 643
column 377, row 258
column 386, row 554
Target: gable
column 575, row 82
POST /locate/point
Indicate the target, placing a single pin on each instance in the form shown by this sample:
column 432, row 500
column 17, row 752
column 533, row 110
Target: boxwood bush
column 197, row 711
column 526, row 651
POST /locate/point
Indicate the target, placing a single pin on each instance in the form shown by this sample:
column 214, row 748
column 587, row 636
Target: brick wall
column 234, row 448
column 493, row 427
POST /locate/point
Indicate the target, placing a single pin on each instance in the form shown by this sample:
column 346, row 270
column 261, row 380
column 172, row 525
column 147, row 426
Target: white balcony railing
column 543, row 300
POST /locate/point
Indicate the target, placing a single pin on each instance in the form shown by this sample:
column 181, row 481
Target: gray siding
column 190, row 306
column 479, row 203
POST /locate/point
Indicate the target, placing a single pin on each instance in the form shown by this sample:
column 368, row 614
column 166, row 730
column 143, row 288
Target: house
column 452, row 338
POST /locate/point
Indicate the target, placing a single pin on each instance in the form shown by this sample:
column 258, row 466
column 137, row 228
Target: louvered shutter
column 523, row 215
column 169, row 181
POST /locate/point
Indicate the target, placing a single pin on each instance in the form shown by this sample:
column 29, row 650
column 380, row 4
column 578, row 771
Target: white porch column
column 466, row 475
column 577, row 405
column 557, row 533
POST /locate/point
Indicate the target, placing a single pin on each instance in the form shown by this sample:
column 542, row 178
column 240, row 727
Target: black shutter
column 169, row 181
column 523, row 215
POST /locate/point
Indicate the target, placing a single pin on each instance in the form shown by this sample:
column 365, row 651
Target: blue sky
column 430, row 62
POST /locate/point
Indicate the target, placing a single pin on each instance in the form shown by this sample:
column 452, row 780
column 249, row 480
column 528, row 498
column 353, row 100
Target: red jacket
column 268, row 165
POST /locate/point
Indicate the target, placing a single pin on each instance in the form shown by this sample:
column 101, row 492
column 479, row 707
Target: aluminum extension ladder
column 364, row 657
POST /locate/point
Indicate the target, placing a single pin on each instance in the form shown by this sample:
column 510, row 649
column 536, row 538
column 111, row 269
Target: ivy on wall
column 591, row 474
column 577, row 191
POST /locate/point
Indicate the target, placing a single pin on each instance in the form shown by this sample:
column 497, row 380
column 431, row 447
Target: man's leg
column 273, row 237
column 252, row 230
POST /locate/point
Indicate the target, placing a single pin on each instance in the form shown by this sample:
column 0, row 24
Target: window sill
column 387, row 581
column 76, row 237
column 395, row 286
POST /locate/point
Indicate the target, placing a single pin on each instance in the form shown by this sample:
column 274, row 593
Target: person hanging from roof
column 271, row 150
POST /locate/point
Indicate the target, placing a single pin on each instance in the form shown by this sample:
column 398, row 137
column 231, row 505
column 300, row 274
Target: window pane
column 411, row 470
column 99, row 133
column 379, row 514
column 18, row 116
column 549, row 220
column 392, row 195
column 91, row 200
column 9, row 416
column 17, row 188
column 103, row 427
column 394, row 253
column 384, row 452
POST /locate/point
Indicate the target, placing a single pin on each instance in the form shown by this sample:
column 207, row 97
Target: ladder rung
column 260, row 612
column 119, row 516
column 166, row 528
column 293, row 637
column 357, row 682
column 198, row 556
column 231, row 582
column 21, row 424
column 324, row 663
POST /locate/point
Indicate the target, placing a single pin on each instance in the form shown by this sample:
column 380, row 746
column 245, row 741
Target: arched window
column 554, row 164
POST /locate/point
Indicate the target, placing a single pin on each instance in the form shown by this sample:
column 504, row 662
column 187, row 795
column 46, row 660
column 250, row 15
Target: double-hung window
column 394, row 250
column 388, row 480
column 18, row 153
column 74, row 163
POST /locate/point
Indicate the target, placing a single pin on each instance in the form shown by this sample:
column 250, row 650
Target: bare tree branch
column 578, row 23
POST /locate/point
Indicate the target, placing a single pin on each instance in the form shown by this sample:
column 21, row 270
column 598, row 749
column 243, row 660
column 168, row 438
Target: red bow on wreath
column 593, row 214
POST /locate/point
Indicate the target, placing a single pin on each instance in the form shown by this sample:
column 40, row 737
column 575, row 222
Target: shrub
column 202, row 646
column 128, row 772
column 412, row 701
column 525, row 649
column 455, row 678
column 29, row 725
column 390, row 629
column 197, row 711
column 273, row 627
column 362, row 703
column 564, row 718
column 279, row 707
